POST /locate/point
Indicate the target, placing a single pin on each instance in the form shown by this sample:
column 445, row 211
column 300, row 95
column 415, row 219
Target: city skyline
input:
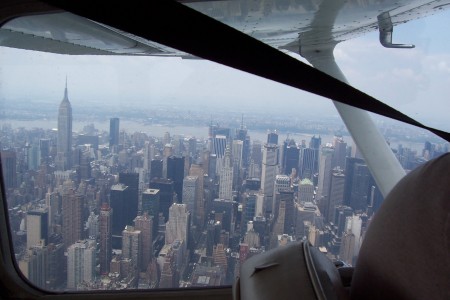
column 196, row 122
column 402, row 78
column 138, row 211
column 149, row 173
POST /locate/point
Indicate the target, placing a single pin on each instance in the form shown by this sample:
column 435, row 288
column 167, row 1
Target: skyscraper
column 197, row 170
column 149, row 155
column 288, row 198
column 55, row 274
column 278, row 228
column 177, row 228
column 166, row 194
column 175, row 171
column 340, row 215
column 33, row 265
column 105, row 237
column 54, row 209
column 361, row 183
column 282, row 183
column 212, row 166
column 81, row 263
column 37, row 227
column 190, row 189
column 216, row 130
column 248, row 208
column 192, row 147
column 308, row 162
column 219, row 144
column 323, row 189
column 44, row 149
column 272, row 138
column 156, row 168
column 291, row 156
column 114, row 132
column 269, row 170
column 64, row 144
column 349, row 170
column 350, row 247
column 241, row 134
column 144, row 224
column 305, row 191
column 226, row 177
column 336, row 194
column 33, row 159
column 150, row 205
column 225, row 211
column 325, row 168
column 92, row 225
column 131, row 180
column 314, row 144
column 340, row 152
column 120, row 203
column 72, row 216
column 9, row 168
column 131, row 246
column 237, row 156
column 256, row 153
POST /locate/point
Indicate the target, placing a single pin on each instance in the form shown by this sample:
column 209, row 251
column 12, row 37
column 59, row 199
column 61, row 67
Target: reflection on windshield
column 173, row 196
column 146, row 173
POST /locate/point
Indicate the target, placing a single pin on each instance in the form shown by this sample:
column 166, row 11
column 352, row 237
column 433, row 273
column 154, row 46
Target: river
column 199, row 132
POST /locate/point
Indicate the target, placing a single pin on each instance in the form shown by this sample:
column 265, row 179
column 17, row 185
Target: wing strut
column 380, row 159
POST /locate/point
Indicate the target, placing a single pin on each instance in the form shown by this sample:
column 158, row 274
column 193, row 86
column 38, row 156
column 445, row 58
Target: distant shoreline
column 199, row 132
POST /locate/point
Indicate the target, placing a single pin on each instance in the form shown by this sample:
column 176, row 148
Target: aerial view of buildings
column 114, row 210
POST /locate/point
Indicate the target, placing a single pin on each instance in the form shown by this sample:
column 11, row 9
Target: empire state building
column 64, row 145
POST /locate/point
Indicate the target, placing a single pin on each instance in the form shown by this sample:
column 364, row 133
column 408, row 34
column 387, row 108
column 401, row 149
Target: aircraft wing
column 286, row 24
column 283, row 24
column 66, row 33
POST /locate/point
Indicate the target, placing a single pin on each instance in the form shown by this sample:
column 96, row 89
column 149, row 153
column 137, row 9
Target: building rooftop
column 306, row 181
column 119, row 187
column 151, row 191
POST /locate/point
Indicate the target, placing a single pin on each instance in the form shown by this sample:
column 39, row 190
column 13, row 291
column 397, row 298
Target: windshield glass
column 402, row 78
column 126, row 172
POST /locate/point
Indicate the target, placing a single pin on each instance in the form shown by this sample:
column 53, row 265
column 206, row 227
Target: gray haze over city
column 163, row 172
column 402, row 78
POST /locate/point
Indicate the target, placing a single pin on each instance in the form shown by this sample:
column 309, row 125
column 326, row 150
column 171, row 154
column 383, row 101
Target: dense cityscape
column 122, row 210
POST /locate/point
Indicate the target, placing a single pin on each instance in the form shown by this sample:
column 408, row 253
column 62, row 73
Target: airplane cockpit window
column 128, row 164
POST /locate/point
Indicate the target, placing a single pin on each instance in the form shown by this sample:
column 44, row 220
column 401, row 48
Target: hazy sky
column 416, row 81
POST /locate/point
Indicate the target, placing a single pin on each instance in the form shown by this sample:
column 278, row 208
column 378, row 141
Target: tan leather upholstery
column 406, row 250
column 295, row 271
column 276, row 274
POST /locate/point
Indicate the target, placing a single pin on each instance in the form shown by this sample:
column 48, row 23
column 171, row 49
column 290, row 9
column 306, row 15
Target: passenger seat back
column 406, row 250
